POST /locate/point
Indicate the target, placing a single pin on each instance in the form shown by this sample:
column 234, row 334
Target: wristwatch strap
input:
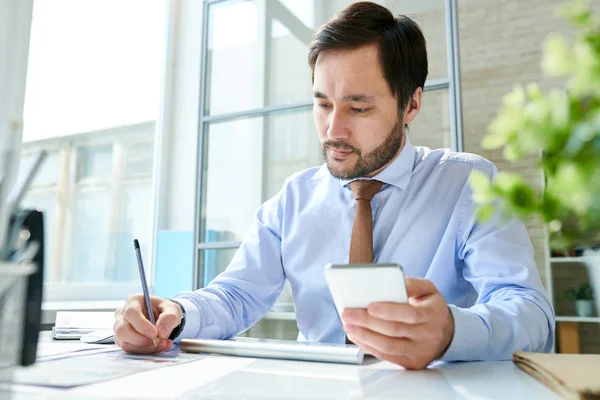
column 179, row 328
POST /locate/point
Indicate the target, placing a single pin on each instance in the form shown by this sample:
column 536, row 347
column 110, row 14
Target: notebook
column 74, row 324
column 280, row 349
column 573, row 376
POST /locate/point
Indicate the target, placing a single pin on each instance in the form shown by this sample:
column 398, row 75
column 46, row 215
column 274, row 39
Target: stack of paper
column 74, row 324
column 573, row 376
column 280, row 349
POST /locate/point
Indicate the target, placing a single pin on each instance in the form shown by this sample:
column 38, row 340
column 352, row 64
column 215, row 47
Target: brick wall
column 500, row 45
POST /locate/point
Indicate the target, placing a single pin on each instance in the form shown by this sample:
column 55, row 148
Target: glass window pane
column 431, row 17
column 139, row 159
column 136, row 223
column 292, row 145
column 90, row 247
column 47, row 173
column 215, row 262
column 94, row 162
column 248, row 161
column 431, row 128
column 93, row 102
column 264, row 60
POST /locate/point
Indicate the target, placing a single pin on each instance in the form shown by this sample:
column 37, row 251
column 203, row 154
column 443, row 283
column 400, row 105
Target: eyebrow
column 356, row 97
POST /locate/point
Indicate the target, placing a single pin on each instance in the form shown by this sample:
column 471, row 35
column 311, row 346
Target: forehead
column 338, row 72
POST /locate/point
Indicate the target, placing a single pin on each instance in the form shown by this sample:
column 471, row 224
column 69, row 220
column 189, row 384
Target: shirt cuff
column 470, row 336
column 192, row 320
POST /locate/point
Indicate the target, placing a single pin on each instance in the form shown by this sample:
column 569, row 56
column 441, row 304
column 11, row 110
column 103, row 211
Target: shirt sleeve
column 241, row 295
column 512, row 311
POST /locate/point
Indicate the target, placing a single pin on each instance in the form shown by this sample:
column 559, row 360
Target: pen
column 136, row 245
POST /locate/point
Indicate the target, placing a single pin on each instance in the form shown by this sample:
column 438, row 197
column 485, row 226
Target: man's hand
column 411, row 335
column 134, row 332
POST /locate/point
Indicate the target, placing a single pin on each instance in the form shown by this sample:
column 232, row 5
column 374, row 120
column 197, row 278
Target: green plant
column 582, row 292
column 561, row 129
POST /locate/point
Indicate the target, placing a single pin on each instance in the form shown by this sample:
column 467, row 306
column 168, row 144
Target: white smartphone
column 358, row 285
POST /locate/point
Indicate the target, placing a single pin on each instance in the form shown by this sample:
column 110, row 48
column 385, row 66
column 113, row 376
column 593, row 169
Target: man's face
column 355, row 113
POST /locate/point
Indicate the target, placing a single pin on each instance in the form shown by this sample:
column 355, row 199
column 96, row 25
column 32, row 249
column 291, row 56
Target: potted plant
column 583, row 297
column 561, row 128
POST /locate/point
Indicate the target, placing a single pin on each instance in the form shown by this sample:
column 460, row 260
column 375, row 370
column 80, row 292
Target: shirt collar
column 398, row 173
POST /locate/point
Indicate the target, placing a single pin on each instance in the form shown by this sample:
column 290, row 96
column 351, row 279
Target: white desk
column 220, row 377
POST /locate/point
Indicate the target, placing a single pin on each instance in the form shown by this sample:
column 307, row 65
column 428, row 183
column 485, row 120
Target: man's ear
column 413, row 106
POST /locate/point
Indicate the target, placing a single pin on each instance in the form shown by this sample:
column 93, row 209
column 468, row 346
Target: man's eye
column 360, row 110
column 323, row 105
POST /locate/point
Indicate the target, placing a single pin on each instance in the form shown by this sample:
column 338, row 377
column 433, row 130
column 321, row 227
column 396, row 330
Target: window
column 92, row 100
column 256, row 123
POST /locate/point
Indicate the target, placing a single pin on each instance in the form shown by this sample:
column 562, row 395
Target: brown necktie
column 361, row 242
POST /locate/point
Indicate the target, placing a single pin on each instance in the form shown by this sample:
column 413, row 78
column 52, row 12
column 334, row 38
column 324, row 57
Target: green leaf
column 485, row 212
column 479, row 181
column 506, row 181
column 493, row 141
column 556, row 60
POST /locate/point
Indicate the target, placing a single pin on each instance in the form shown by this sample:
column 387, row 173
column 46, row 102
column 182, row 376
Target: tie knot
column 364, row 189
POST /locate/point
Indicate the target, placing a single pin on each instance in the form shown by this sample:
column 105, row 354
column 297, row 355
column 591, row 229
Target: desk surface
column 217, row 377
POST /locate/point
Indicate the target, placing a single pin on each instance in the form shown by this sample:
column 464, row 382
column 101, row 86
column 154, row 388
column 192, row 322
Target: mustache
column 339, row 145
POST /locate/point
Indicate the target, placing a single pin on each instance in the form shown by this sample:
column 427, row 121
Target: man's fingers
column 149, row 349
column 404, row 360
column 381, row 343
column 400, row 360
column 419, row 287
column 133, row 314
column 126, row 333
column 385, row 327
column 395, row 312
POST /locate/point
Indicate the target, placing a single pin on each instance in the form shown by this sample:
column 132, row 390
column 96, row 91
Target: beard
column 369, row 162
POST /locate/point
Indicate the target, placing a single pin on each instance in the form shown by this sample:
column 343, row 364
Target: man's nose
column 337, row 128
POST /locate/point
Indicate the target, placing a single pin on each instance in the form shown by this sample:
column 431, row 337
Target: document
column 279, row 349
column 88, row 369
column 53, row 350
column 74, row 324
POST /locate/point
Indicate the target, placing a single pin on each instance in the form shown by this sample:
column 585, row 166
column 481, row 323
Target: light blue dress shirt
column 423, row 219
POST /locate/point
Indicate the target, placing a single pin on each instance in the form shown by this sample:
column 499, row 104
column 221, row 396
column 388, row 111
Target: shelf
column 573, row 259
column 577, row 319
column 281, row 315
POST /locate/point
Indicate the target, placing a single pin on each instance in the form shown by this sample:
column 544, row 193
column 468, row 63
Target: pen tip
column 136, row 244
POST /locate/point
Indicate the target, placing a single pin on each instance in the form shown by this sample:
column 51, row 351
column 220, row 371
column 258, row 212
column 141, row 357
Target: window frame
column 66, row 189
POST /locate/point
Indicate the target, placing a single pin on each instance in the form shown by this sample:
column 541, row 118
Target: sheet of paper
column 175, row 382
column 47, row 349
column 85, row 319
column 87, row 369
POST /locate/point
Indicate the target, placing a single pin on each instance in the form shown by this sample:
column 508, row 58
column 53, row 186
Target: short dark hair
column 402, row 47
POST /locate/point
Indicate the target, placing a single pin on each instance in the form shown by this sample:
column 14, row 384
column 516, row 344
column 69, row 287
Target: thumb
column 419, row 287
column 168, row 319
